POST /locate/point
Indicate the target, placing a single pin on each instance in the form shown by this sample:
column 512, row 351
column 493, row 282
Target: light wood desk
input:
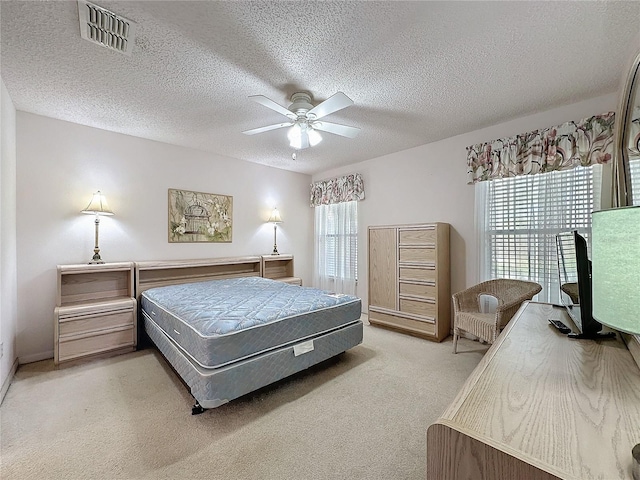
column 541, row 406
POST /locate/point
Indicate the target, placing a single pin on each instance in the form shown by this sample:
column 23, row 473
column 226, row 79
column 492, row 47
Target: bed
column 227, row 331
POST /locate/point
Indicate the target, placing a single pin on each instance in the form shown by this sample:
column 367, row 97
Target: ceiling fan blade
column 336, row 102
column 267, row 128
column 337, row 129
column 267, row 102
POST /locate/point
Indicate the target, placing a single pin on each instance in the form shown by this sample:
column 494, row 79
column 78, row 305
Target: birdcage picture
column 196, row 219
column 199, row 217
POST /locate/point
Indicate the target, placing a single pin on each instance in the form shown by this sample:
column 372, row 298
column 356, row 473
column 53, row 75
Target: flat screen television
column 574, row 270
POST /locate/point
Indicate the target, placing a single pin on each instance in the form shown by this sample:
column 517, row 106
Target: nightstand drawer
column 83, row 345
column 92, row 323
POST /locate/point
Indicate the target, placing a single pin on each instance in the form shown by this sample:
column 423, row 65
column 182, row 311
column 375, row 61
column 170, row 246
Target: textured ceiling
column 418, row 72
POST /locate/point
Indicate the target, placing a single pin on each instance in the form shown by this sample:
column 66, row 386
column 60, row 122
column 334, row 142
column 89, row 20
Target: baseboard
column 36, row 357
column 7, row 382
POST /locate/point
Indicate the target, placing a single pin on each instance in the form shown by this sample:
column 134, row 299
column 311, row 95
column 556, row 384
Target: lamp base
column 96, row 249
column 275, row 240
column 96, row 259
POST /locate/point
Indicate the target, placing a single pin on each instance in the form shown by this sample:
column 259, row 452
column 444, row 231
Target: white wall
column 59, row 166
column 429, row 184
column 8, row 278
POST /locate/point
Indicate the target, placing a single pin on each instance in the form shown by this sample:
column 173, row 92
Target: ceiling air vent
column 106, row 28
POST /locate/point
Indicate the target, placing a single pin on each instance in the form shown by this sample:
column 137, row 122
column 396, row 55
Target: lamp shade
column 295, row 136
column 275, row 217
column 615, row 257
column 98, row 205
column 314, row 137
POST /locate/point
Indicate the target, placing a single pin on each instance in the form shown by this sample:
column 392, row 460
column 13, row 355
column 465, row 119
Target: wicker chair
column 487, row 326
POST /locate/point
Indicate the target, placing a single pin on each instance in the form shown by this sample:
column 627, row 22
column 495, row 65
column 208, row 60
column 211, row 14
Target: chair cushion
column 481, row 325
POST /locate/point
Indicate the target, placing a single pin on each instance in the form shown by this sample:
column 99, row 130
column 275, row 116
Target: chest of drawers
column 409, row 278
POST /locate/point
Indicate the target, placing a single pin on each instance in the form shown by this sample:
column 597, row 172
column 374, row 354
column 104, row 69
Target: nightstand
column 279, row 267
column 95, row 314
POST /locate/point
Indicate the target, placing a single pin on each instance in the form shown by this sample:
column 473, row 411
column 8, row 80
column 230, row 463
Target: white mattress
column 219, row 322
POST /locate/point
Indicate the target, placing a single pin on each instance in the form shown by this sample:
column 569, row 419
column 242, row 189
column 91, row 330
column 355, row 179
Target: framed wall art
column 199, row 217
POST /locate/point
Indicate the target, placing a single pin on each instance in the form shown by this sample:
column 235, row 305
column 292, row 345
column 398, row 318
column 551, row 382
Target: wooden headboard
column 162, row 273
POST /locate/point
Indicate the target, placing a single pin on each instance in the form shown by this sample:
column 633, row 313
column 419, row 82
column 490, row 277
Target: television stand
column 539, row 407
column 592, row 336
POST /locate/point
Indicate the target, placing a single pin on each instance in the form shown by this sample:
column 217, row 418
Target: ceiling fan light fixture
column 314, row 137
column 303, row 132
column 295, row 136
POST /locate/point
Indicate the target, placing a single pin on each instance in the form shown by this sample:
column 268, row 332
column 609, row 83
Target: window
column 634, row 168
column 336, row 247
column 519, row 218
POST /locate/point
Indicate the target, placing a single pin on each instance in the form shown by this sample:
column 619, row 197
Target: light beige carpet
column 363, row 415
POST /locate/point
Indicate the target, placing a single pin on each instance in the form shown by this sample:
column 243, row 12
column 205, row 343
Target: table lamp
column 615, row 272
column 275, row 219
column 615, row 269
column 97, row 206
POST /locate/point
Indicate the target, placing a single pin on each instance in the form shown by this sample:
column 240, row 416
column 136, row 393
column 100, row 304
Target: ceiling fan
column 304, row 118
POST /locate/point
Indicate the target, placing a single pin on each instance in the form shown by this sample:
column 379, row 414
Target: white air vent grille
column 106, row 28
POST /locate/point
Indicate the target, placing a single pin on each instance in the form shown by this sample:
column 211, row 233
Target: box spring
column 213, row 387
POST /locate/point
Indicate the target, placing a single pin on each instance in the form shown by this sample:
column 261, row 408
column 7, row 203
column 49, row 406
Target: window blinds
column 336, row 247
column 524, row 214
column 634, row 168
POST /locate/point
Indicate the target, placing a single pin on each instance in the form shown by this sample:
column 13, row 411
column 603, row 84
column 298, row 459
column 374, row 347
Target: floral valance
column 585, row 142
column 337, row 190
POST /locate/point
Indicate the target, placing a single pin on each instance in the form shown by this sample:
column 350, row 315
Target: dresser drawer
column 79, row 346
column 425, row 236
column 417, row 307
column 424, row 273
column 418, row 290
column 417, row 255
column 92, row 323
column 423, row 328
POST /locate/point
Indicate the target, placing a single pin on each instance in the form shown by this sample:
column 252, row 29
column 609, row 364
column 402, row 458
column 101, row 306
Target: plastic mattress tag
column 304, row 347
